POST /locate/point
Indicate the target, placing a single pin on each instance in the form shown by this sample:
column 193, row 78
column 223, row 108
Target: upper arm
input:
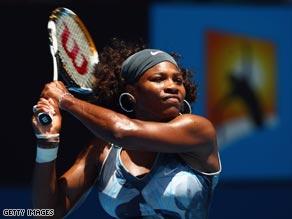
column 185, row 133
column 191, row 136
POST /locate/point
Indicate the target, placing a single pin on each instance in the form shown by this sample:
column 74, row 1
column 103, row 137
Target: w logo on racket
column 73, row 53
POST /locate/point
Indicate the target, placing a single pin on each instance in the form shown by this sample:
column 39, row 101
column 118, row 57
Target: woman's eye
column 179, row 80
column 157, row 79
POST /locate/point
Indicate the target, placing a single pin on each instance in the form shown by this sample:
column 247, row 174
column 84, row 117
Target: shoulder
column 195, row 118
column 204, row 157
column 197, row 124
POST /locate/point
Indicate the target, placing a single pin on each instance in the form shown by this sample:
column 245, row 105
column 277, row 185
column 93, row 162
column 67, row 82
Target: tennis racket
column 74, row 54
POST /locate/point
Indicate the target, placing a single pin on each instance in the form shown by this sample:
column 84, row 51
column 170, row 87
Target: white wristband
column 47, row 136
column 44, row 155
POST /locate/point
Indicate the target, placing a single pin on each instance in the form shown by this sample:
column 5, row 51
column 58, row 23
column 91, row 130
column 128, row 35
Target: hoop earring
column 121, row 104
column 188, row 107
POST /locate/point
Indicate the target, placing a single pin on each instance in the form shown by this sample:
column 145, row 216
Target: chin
column 170, row 114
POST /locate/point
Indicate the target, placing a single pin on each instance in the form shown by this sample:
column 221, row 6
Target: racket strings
column 77, row 54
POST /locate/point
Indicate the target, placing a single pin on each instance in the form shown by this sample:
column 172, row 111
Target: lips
column 172, row 99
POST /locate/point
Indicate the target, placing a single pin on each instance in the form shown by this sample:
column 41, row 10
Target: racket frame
column 57, row 59
column 46, row 118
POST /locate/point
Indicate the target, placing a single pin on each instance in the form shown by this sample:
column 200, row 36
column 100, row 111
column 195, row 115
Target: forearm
column 44, row 193
column 103, row 123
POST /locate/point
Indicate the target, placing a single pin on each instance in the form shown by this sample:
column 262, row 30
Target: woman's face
column 159, row 93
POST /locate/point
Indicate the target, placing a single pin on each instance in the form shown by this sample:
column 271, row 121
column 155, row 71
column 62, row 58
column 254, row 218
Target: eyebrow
column 176, row 73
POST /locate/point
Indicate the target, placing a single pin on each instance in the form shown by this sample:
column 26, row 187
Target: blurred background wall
column 241, row 54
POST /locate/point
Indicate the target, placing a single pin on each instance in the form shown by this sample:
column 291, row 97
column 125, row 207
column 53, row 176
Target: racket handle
column 44, row 118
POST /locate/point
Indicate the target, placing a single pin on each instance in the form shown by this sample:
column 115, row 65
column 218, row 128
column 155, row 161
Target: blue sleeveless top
column 171, row 189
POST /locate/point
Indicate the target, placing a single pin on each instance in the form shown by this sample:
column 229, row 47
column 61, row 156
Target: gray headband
column 136, row 65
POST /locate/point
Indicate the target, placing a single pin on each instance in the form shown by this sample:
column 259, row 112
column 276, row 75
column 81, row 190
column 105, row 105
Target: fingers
column 53, row 90
column 43, row 111
column 46, row 113
column 44, row 105
column 46, row 117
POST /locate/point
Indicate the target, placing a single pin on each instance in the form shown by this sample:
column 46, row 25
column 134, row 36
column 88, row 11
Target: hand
column 51, row 107
column 54, row 90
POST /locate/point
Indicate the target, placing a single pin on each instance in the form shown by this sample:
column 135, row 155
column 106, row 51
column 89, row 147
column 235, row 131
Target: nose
column 171, row 87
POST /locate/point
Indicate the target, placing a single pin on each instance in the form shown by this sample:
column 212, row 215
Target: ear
column 132, row 90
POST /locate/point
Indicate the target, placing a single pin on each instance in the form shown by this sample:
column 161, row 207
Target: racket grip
column 44, row 118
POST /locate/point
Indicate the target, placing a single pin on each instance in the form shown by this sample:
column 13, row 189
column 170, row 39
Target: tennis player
column 151, row 156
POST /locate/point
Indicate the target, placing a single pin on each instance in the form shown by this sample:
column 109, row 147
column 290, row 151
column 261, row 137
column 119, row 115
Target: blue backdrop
column 264, row 154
